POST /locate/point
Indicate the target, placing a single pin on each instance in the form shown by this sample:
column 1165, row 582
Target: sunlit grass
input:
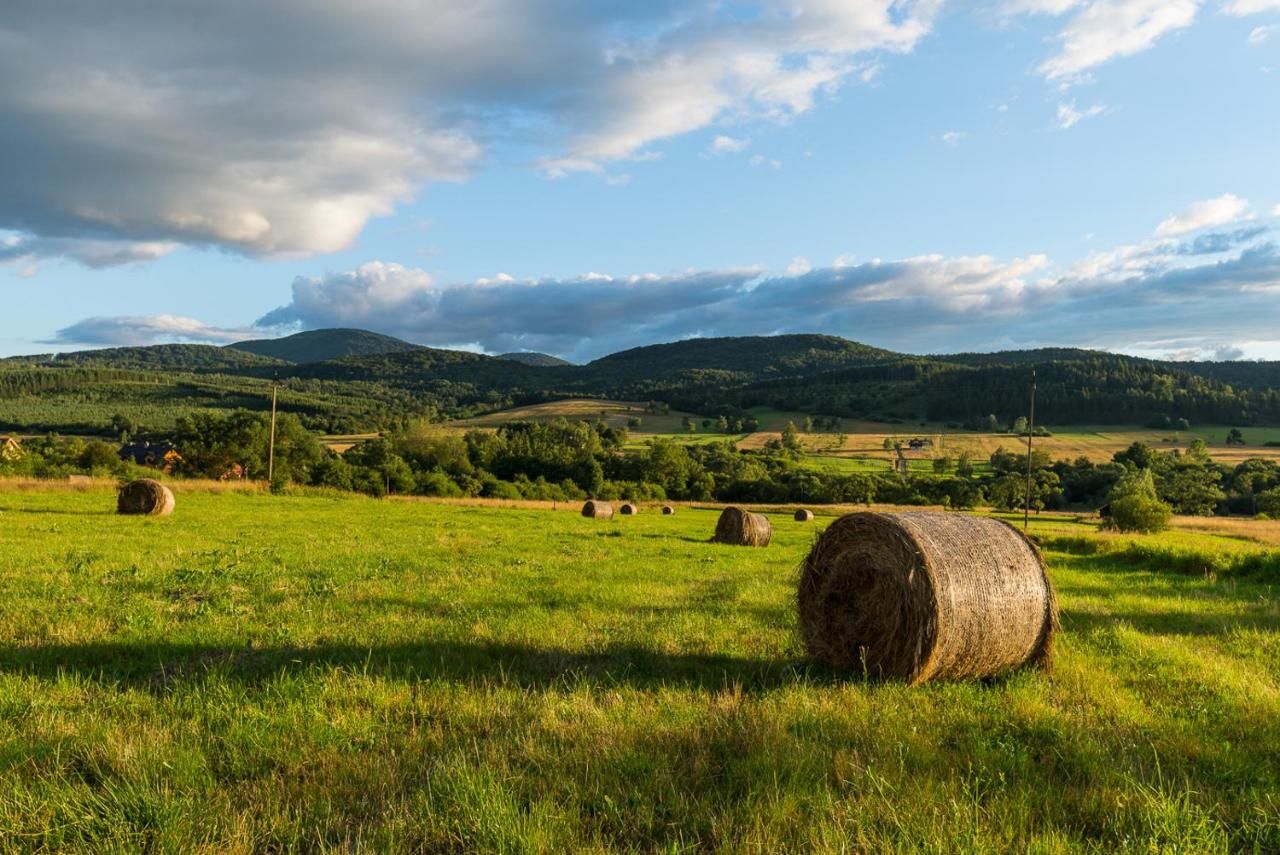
column 319, row 672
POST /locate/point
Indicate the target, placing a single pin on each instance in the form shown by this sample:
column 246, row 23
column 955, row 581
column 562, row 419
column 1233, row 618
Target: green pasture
column 313, row 673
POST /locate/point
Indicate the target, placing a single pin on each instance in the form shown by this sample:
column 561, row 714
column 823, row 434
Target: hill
column 324, row 345
column 195, row 358
column 538, row 360
column 377, row 382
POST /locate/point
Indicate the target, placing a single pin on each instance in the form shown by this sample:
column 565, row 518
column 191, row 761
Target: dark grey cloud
column 283, row 126
column 1214, row 243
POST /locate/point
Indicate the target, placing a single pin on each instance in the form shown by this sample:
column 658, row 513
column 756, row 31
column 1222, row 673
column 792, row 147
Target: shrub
column 1135, row 505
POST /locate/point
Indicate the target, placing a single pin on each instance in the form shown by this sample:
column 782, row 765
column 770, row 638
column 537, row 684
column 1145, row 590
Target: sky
column 927, row 176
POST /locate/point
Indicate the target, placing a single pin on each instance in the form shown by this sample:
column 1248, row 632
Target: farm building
column 9, row 448
column 160, row 455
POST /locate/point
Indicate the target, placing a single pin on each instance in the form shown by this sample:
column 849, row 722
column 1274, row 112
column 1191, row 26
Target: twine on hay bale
column 668, row 510
column 742, row 528
column 145, row 496
column 804, row 515
column 597, row 510
column 629, row 509
column 926, row 596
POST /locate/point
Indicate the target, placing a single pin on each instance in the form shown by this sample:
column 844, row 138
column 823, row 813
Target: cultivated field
column 324, row 673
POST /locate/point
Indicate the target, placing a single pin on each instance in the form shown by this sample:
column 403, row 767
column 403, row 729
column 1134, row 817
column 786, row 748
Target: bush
column 1135, row 506
column 1139, row 514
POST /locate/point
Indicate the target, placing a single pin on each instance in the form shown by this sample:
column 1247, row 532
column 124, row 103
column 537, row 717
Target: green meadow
column 315, row 673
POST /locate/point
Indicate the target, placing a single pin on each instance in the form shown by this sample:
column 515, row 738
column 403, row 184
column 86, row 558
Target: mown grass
column 312, row 673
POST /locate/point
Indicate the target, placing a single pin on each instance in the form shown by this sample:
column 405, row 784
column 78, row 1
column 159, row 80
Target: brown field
column 615, row 413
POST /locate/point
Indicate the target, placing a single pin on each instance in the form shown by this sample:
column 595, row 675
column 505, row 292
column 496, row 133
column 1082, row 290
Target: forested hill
column 820, row 375
column 325, row 345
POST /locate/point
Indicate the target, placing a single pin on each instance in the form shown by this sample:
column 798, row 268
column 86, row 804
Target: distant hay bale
column 742, row 528
column 628, row 509
column 804, row 515
column 667, row 510
column 926, row 596
column 145, row 496
column 597, row 510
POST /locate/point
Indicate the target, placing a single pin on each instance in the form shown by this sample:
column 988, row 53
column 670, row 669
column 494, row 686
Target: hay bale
column 742, row 528
column 597, row 510
column 667, row 510
column 804, row 515
column 628, row 509
column 926, row 596
column 145, row 496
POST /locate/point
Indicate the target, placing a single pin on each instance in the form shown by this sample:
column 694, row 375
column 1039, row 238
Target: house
column 9, row 448
column 160, row 455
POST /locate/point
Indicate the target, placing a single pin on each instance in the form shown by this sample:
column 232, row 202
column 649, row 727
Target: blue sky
column 925, row 176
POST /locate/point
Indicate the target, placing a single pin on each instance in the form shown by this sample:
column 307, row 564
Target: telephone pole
column 1031, row 431
column 271, row 449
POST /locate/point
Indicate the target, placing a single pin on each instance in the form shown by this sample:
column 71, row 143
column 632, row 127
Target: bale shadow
column 60, row 511
column 161, row 666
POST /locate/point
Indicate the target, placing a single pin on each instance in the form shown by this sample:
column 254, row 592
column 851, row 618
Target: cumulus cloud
column 138, row 330
column 1208, row 213
column 1225, row 285
column 283, row 127
column 1215, row 288
column 953, row 138
column 1258, row 35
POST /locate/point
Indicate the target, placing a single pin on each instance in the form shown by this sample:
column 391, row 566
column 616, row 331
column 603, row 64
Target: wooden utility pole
column 271, row 449
column 1031, row 431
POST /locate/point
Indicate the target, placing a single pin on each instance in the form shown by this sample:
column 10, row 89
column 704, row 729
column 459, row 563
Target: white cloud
column 799, row 266
column 727, row 145
column 1258, row 35
column 1069, row 116
column 27, row 251
column 1103, row 30
column 1250, row 7
column 1275, row 212
column 1226, row 208
column 953, row 138
column 1040, row 7
column 139, row 330
column 761, row 160
column 284, row 128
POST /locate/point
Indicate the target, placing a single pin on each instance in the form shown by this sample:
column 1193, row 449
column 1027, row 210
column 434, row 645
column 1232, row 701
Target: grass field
column 314, row 673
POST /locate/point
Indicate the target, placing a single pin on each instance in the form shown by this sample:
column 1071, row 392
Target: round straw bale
column 926, row 596
column 597, row 510
column 628, row 509
column 668, row 510
column 145, row 496
column 804, row 515
column 742, row 528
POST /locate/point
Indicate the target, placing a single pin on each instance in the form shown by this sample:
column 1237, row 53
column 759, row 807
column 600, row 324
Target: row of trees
column 571, row 460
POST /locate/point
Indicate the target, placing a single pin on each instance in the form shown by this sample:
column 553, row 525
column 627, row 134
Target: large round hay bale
column 145, row 496
column 804, row 515
column 628, row 509
column 597, row 510
column 742, row 528
column 926, row 596
column 668, row 510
